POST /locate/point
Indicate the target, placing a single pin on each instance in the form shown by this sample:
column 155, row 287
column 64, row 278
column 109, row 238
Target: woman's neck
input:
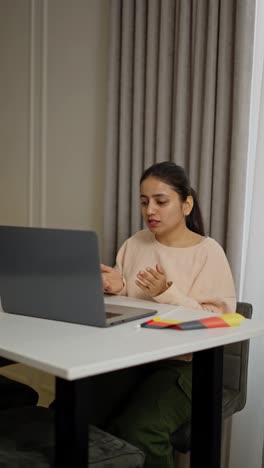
column 182, row 237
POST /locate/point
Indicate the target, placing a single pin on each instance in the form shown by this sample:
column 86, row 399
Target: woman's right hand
column 112, row 280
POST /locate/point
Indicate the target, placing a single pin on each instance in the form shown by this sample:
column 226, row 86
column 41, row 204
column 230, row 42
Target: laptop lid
column 54, row 274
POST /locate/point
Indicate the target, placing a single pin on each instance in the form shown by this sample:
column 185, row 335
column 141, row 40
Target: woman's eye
column 158, row 202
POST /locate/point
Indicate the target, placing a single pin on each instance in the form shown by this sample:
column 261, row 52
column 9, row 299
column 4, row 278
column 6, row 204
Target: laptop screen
column 51, row 273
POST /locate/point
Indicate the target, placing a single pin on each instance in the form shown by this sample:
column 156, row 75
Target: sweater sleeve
column 119, row 266
column 213, row 288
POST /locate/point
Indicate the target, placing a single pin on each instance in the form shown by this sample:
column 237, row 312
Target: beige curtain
column 179, row 84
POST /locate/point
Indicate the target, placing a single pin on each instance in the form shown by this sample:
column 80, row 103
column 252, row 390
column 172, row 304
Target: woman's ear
column 188, row 205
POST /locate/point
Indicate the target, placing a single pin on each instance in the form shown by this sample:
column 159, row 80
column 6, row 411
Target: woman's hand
column 111, row 279
column 152, row 282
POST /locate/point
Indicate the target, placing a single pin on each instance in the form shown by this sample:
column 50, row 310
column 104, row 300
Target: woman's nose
column 150, row 208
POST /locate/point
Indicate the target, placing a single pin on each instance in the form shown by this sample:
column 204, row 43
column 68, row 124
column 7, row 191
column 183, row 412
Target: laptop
column 55, row 274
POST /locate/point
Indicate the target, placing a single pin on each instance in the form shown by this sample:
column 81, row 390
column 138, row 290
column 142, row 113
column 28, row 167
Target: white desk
column 73, row 353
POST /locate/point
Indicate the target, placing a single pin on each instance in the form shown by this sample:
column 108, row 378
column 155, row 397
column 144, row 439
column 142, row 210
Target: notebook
column 55, row 274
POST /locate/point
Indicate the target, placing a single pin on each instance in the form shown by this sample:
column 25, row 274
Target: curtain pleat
column 139, row 98
column 165, row 82
column 204, row 71
column 112, row 137
column 126, row 120
column 182, row 83
column 223, row 125
column 151, row 83
column 179, row 87
column 243, row 55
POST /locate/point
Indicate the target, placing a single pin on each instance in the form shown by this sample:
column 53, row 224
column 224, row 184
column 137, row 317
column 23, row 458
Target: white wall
column 53, row 84
column 53, row 57
column 14, row 115
column 76, row 112
column 248, row 426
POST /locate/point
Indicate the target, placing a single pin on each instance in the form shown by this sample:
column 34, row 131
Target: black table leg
column 207, row 408
column 71, row 423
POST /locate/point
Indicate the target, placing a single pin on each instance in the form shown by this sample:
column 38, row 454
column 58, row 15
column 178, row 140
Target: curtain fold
column 243, row 56
column 179, row 89
column 138, row 127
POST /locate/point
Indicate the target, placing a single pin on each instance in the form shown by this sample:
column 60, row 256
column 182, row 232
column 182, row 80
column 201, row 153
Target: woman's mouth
column 153, row 223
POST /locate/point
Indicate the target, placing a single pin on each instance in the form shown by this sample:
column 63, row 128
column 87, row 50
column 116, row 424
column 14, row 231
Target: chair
column 235, row 373
column 27, row 433
column 27, row 440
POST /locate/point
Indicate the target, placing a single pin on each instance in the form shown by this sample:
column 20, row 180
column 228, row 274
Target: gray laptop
column 55, row 274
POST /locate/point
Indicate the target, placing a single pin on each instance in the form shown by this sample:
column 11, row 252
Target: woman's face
column 162, row 209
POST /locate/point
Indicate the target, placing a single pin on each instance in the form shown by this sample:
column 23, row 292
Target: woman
column 172, row 262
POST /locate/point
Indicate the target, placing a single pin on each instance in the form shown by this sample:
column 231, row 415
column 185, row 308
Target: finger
column 141, row 285
column 145, row 275
column 106, row 268
column 108, row 289
column 159, row 269
column 146, row 278
column 106, row 284
column 153, row 272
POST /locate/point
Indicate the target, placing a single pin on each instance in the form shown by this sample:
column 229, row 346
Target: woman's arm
column 112, row 278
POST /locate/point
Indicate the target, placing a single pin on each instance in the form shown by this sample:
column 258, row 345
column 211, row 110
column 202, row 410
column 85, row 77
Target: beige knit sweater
column 200, row 274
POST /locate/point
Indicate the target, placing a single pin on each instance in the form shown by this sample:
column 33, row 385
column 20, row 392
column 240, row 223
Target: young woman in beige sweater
column 171, row 262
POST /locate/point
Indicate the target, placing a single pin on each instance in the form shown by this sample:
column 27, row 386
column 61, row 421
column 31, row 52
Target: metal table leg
column 71, row 423
column 207, row 395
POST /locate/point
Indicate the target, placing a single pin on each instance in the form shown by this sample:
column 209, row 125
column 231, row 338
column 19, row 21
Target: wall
column 53, row 81
column 53, row 56
column 248, row 426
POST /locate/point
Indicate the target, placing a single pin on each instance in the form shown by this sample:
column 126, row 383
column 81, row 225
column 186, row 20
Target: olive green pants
column 145, row 405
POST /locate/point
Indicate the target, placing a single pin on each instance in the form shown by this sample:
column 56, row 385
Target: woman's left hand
column 152, row 282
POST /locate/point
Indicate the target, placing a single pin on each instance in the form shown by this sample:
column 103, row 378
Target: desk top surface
column 75, row 351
